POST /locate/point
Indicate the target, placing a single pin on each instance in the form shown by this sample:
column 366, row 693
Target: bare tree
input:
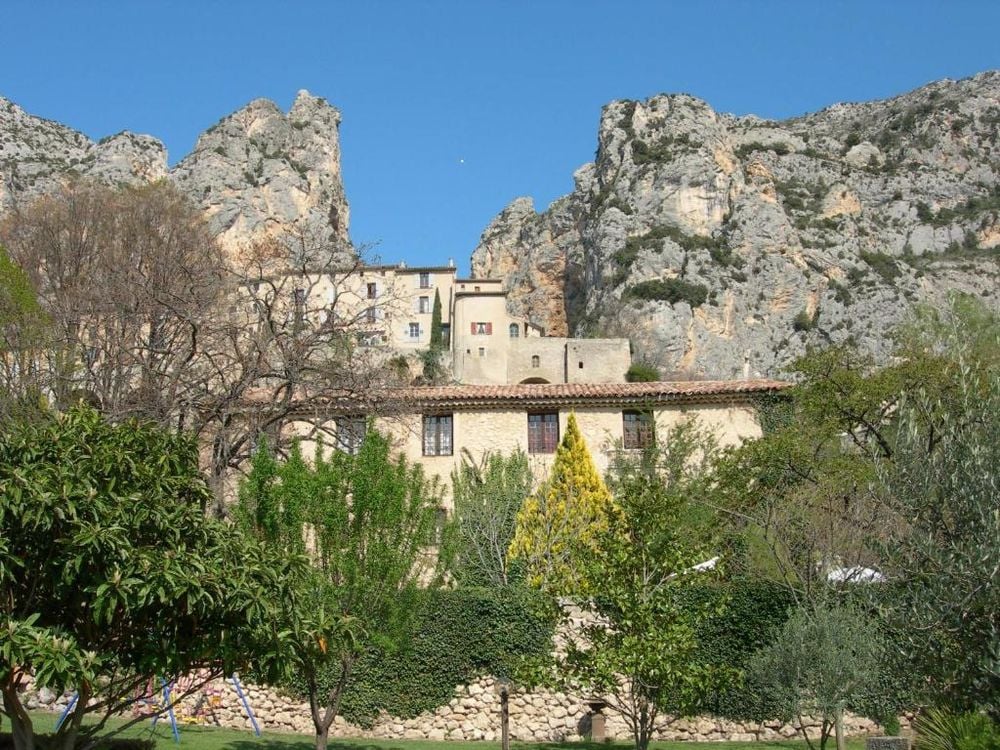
column 149, row 319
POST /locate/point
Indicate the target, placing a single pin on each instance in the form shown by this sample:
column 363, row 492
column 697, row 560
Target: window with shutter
column 543, row 432
column 637, row 429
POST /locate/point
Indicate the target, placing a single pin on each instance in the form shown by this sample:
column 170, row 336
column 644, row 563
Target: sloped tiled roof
column 477, row 397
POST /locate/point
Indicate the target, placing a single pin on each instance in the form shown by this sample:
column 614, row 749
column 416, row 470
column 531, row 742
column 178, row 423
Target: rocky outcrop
column 722, row 245
column 257, row 173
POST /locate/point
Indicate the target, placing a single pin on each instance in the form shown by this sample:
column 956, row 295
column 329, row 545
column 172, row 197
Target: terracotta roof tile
column 528, row 396
column 574, row 393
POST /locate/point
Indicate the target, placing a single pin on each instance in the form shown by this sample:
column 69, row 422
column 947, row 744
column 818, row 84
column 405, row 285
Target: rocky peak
column 711, row 239
column 257, row 173
column 260, row 172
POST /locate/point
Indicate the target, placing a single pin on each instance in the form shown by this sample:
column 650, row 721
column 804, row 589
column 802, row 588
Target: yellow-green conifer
column 557, row 526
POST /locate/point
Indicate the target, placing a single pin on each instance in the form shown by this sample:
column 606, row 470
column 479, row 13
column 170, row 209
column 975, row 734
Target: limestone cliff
column 722, row 244
column 257, row 173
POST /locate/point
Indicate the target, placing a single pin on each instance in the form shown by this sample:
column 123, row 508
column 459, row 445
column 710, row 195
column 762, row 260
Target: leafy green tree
column 110, row 573
column 945, row 553
column 437, row 329
column 820, row 662
column 557, row 525
column 487, row 496
column 366, row 521
column 639, row 650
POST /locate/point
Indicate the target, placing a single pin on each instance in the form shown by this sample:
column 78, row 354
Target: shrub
column 804, row 321
column 882, row 264
column 940, row 730
column 642, row 372
column 669, row 290
column 781, row 149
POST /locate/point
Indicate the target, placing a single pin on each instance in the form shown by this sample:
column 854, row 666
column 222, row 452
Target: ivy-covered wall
column 459, row 636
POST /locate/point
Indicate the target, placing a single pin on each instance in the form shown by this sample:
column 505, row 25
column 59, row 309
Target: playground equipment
column 167, row 688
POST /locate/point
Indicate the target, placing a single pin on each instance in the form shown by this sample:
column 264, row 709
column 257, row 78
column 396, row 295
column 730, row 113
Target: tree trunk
column 71, row 726
column 21, row 729
column 839, row 725
column 322, row 737
column 824, row 733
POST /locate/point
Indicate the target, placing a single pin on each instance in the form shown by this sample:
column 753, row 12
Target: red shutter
column 489, row 329
column 473, row 325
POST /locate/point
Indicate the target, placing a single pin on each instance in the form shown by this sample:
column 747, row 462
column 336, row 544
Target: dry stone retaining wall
column 472, row 714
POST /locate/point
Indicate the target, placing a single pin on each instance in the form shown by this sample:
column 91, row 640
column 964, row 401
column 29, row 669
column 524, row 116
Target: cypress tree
column 557, row 526
column 437, row 334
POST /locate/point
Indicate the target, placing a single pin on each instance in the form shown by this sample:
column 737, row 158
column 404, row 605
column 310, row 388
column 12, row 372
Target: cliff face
column 257, row 173
column 723, row 244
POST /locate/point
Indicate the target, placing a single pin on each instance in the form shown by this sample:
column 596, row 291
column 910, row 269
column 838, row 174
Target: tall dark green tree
column 437, row 330
column 367, row 523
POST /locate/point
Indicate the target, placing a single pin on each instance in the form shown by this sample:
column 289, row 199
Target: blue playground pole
column 65, row 713
column 170, row 712
column 246, row 704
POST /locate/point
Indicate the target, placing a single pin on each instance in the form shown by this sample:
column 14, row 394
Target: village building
column 508, row 386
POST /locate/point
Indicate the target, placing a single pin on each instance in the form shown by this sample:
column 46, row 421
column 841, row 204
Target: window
column 580, row 365
column 482, row 329
column 536, row 361
column 514, row 330
column 414, row 330
column 543, row 432
column 372, row 290
column 370, row 315
column 637, row 428
column 424, row 305
column 425, row 281
column 350, row 433
column 437, row 435
column 482, row 351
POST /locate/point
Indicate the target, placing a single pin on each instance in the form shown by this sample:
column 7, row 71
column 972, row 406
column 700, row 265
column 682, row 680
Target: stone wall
column 472, row 714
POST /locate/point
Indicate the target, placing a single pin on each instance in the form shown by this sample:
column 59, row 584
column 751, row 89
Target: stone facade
column 498, row 422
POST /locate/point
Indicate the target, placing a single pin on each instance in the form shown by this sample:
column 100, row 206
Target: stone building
column 390, row 306
column 435, row 426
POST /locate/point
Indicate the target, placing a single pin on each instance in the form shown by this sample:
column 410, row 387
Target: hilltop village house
column 391, row 307
column 511, row 387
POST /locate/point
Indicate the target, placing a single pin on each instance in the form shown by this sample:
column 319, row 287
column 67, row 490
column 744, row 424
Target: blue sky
column 452, row 109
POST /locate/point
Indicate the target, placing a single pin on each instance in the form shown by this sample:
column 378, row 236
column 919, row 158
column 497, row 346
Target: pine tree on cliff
column 437, row 332
column 557, row 526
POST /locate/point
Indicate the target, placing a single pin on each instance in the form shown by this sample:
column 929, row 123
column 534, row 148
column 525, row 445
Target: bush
column 804, row 321
column 940, row 730
column 781, row 149
column 642, row 372
column 882, row 264
column 458, row 635
column 669, row 290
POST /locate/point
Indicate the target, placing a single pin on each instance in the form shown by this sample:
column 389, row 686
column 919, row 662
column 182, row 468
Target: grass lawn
column 195, row 737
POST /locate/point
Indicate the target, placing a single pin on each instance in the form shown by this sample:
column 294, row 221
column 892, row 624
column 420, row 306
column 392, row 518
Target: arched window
column 536, row 361
column 515, row 331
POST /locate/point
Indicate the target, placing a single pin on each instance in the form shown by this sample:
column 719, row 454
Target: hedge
column 458, row 636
